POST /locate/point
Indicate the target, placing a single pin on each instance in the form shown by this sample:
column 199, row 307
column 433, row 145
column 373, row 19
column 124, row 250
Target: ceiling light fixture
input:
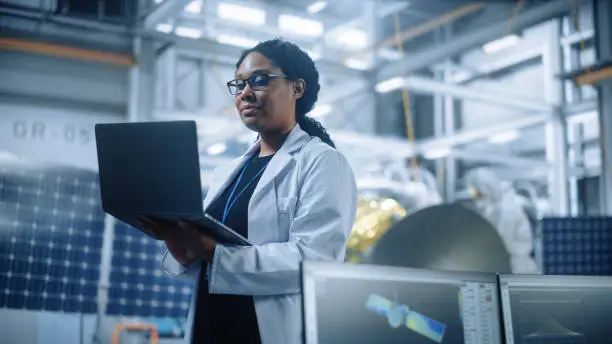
column 188, row 32
column 216, row 148
column 320, row 111
column 239, row 13
column 390, row 85
column 300, row 26
column 164, row 27
column 237, row 41
column 436, row 153
column 357, row 64
column 351, row 38
column 316, row 7
column 501, row 44
column 313, row 54
column 389, row 54
column 194, row 7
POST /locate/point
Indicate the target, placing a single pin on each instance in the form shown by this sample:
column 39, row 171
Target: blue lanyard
column 229, row 204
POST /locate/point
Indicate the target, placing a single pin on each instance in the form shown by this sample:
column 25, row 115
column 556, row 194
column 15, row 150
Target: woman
column 292, row 194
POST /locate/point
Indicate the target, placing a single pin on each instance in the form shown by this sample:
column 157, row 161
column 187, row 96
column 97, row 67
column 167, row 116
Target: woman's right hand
column 173, row 236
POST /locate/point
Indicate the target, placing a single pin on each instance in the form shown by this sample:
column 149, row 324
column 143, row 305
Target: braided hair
column 295, row 64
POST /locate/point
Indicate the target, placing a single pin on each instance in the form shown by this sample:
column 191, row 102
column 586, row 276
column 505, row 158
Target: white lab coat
column 503, row 210
column 303, row 208
column 515, row 231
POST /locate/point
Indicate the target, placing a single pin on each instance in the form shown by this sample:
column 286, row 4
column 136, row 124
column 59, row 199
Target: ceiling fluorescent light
column 320, row 111
column 164, row 27
column 505, row 137
column 501, row 44
column 357, row 64
column 389, row 54
column 316, row 6
column 241, row 13
column 300, row 26
column 461, row 76
column 237, row 41
column 352, row 38
column 216, row 149
column 313, row 54
column 188, row 32
column 390, row 85
column 194, row 7
column 436, row 153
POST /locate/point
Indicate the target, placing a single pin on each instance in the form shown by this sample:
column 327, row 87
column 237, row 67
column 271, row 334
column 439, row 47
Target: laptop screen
column 556, row 309
column 345, row 303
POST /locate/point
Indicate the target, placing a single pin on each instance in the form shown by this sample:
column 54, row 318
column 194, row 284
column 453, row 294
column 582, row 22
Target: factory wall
column 65, row 83
column 526, row 82
column 49, row 106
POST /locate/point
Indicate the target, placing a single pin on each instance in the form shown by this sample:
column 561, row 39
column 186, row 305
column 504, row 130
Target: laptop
column 370, row 304
column 556, row 309
column 153, row 169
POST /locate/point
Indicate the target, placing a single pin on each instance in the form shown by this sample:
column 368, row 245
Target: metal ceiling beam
column 162, row 12
column 479, row 36
column 336, row 93
column 227, row 54
column 374, row 144
column 265, row 32
column 384, row 10
column 497, row 158
column 577, row 37
column 426, row 27
column 467, row 136
column 504, row 63
column 427, row 85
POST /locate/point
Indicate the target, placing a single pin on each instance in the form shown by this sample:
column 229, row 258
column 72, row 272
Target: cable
column 405, row 98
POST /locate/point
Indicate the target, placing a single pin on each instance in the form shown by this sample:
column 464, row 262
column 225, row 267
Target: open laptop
column 346, row 303
column 153, row 169
column 556, row 309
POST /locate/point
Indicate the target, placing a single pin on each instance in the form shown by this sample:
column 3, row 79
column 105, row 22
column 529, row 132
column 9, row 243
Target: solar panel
column 139, row 287
column 577, row 246
column 51, row 229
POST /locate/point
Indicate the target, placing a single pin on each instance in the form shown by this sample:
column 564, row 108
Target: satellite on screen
column 398, row 314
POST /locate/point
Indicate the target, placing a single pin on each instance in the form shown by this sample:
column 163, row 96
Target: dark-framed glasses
column 257, row 81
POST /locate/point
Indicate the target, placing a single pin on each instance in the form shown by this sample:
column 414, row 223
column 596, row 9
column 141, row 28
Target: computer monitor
column 556, row 309
column 346, row 303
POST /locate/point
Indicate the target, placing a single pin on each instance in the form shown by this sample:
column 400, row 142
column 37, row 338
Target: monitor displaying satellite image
column 418, row 310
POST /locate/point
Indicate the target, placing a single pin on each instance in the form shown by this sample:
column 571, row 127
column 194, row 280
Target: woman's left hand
column 203, row 246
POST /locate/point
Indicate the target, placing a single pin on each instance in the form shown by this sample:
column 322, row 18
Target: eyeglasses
column 257, row 81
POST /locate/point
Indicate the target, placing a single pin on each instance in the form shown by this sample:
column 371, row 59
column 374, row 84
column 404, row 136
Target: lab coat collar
column 296, row 139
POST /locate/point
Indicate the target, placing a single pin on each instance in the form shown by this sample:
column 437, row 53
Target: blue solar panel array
column 139, row 287
column 51, row 229
column 577, row 246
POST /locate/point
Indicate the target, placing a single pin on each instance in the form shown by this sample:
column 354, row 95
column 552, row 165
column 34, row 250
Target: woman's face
column 270, row 108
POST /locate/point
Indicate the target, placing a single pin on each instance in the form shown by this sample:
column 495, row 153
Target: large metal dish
column 442, row 237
